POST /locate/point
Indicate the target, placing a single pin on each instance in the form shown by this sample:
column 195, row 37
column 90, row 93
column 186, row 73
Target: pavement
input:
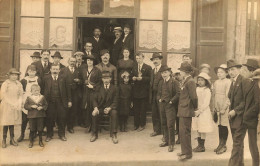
column 134, row 148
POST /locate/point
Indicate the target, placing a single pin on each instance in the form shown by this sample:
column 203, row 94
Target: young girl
column 221, row 105
column 36, row 105
column 202, row 122
column 125, row 99
column 11, row 105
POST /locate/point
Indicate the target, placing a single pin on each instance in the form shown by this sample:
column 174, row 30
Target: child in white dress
column 11, row 105
column 202, row 122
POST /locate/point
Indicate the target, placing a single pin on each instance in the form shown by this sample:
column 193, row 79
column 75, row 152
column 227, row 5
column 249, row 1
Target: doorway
column 86, row 26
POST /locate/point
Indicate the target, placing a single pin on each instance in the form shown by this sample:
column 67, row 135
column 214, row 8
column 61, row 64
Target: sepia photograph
column 129, row 82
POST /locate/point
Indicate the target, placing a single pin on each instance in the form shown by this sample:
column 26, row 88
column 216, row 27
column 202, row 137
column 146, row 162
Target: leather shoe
column 136, row 128
column 154, row 134
column 12, row 142
column 48, row 139
column 71, row 131
column 93, row 138
column 41, row 144
column 114, row 139
column 163, row 144
column 140, row 129
column 4, row 144
column 170, row 148
column 20, row 139
column 30, row 145
column 180, row 154
column 178, row 141
column 63, row 138
column 185, row 157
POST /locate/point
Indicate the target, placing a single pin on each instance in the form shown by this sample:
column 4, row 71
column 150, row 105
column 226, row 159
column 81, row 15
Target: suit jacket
column 116, row 51
column 188, row 100
column 129, row 43
column 64, row 86
column 109, row 67
column 252, row 101
column 97, row 45
column 32, row 112
column 41, row 72
column 106, row 98
column 236, row 96
column 173, row 88
column 155, row 78
column 75, row 86
column 141, row 88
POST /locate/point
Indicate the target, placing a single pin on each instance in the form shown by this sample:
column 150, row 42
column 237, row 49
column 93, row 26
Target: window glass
column 32, row 7
column 122, row 7
column 151, row 9
column 180, row 9
column 61, row 8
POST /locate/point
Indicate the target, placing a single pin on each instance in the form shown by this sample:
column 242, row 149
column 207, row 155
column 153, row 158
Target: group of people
column 96, row 85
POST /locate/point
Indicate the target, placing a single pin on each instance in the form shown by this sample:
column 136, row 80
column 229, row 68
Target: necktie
column 155, row 70
column 45, row 64
column 72, row 70
column 55, row 78
column 106, row 87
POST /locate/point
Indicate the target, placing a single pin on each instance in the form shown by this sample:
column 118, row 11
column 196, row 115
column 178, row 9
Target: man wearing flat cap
column 117, row 46
column 168, row 97
column 105, row 65
column 236, row 110
column 98, row 43
column 252, row 101
column 155, row 78
column 105, row 104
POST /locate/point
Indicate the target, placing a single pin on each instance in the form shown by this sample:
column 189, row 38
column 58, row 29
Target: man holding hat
column 156, row 76
column 105, row 103
column 104, row 65
column 56, row 59
column 236, row 111
column 168, row 96
column 117, row 46
column 36, row 56
column 188, row 104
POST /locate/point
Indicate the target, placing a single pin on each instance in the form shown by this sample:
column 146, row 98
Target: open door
column 6, row 37
column 211, row 32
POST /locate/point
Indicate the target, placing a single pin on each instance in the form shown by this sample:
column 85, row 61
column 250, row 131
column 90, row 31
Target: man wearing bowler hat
column 105, row 65
column 156, row 76
column 105, row 103
column 168, row 96
column 117, row 46
column 57, row 58
column 236, row 110
column 188, row 104
column 36, row 56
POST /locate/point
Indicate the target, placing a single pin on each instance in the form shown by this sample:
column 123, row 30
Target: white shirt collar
column 56, row 77
column 108, row 85
column 158, row 67
column 44, row 63
column 167, row 79
column 235, row 78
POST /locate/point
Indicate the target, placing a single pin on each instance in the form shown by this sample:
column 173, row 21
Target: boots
column 220, row 135
column 223, row 147
column 40, row 139
column 4, row 143
column 195, row 149
column 200, row 147
column 5, row 129
column 23, row 128
column 31, row 139
column 12, row 141
column 219, row 145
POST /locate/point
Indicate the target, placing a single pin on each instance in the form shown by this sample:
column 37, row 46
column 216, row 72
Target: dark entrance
column 86, row 26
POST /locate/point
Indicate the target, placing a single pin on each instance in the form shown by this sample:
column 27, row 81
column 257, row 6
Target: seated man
column 105, row 103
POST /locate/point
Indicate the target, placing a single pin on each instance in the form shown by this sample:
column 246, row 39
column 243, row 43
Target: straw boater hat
column 36, row 54
column 205, row 76
column 222, row 66
column 78, row 53
column 57, row 54
column 156, row 55
column 252, row 63
column 186, row 67
column 13, row 71
column 233, row 63
column 106, row 74
column 256, row 74
column 117, row 29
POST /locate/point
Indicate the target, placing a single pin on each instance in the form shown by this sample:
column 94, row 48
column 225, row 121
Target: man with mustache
column 105, row 65
column 117, row 46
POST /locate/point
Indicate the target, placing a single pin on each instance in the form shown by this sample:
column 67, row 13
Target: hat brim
column 169, row 69
column 256, row 77
column 18, row 73
column 57, row 56
column 216, row 69
column 160, row 57
column 35, row 56
column 239, row 66
column 186, row 71
column 250, row 66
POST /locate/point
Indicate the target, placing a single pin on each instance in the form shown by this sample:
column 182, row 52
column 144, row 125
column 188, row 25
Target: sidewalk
column 134, row 148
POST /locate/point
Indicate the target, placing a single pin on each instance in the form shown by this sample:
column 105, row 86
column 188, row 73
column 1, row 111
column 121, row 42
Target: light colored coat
column 203, row 123
column 11, row 105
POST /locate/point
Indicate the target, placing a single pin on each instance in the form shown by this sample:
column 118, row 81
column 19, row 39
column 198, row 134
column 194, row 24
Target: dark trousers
column 252, row 139
column 72, row 112
column 11, row 130
column 223, row 132
column 56, row 112
column 168, row 115
column 185, row 135
column 24, row 123
column 113, row 121
column 36, row 124
column 88, row 111
column 140, row 107
column 156, row 117
column 237, row 154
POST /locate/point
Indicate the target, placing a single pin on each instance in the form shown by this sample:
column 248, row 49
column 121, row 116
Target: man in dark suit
column 188, row 103
column 128, row 41
column 75, row 81
column 168, row 96
column 105, row 103
column 98, row 43
column 187, row 58
column 141, row 79
column 252, row 101
column 57, row 58
column 117, row 46
column 43, row 66
column 57, row 92
column 156, row 76
column 237, row 105
column 88, row 52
